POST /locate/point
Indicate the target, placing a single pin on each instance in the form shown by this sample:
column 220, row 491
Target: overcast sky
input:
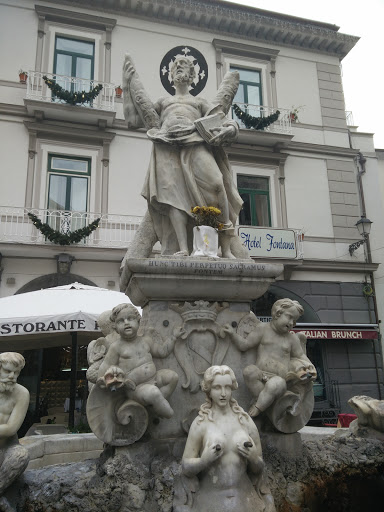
column 363, row 67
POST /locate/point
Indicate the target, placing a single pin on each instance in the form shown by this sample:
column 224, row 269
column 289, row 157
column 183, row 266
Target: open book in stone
column 206, row 125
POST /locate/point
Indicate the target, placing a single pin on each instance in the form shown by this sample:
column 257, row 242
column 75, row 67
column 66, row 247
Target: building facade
column 309, row 173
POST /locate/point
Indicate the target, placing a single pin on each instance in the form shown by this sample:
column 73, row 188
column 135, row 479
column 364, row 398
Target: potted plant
column 294, row 114
column 23, row 75
column 205, row 233
column 118, row 91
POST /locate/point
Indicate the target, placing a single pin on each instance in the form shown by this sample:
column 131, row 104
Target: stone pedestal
column 199, row 296
column 190, row 279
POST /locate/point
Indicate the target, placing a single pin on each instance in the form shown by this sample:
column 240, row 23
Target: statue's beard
column 6, row 386
column 181, row 78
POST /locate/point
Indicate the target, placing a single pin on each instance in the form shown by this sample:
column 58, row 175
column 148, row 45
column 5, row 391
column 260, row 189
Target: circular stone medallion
column 193, row 55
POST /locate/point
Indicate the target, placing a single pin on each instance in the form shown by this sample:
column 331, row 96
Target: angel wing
column 227, row 91
column 139, row 110
column 303, row 341
column 247, row 324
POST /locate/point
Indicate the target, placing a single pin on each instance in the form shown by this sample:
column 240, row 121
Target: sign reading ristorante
column 268, row 242
column 76, row 322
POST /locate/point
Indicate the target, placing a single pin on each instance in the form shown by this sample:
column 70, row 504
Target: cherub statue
column 186, row 168
column 14, row 402
column 129, row 373
column 281, row 380
column 222, row 465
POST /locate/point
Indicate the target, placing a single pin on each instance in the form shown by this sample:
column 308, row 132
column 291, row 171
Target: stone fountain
column 165, row 448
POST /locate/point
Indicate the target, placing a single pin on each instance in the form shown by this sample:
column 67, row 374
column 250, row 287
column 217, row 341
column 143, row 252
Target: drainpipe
column 360, row 159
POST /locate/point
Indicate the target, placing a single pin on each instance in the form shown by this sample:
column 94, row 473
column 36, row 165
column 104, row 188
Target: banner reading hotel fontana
column 50, row 324
column 338, row 334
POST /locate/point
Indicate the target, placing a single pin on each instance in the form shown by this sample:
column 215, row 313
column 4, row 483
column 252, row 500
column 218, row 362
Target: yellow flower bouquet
column 207, row 216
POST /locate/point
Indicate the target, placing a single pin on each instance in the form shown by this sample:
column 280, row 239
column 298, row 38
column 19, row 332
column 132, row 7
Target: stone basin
column 212, row 279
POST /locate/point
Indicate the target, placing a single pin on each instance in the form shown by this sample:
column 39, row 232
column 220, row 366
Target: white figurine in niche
column 222, row 465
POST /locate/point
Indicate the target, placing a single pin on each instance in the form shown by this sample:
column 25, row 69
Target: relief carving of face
column 126, row 324
column 8, row 376
column 286, row 320
column 221, row 390
column 181, row 71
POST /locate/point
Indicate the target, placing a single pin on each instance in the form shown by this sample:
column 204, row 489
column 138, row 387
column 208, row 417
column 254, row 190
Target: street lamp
column 364, row 227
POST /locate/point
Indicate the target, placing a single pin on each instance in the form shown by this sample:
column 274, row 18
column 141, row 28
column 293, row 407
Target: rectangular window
column 249, row 94
column 254, row 191
column 68, row 186
column 74, row 58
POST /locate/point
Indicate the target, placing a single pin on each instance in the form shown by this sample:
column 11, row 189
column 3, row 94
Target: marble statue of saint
column 282, row 368
column 188, row 166
column 222, row 464
column 14, row 402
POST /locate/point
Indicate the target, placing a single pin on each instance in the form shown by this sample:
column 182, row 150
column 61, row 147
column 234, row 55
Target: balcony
column 114, row 231
column 278, row 133
column 40, row 99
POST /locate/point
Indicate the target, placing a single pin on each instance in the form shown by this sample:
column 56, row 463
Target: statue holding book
column 188, row 166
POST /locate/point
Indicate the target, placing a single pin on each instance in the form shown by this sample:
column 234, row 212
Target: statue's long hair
column 13, row 358
column 205, row 411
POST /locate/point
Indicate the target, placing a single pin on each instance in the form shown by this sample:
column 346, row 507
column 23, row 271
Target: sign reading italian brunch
column 268, row 242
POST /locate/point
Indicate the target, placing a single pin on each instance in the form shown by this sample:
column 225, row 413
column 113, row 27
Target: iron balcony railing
column 113, row 231
column 37, row 89
column 282, row 125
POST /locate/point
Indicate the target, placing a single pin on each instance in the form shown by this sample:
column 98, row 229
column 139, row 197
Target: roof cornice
column 231, row 20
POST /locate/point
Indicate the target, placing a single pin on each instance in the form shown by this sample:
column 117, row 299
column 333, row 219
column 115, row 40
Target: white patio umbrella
column 51, row 311
column 59, row 316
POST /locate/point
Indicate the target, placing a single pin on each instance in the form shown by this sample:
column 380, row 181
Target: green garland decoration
column 72, row 237
column 258, row 123
column 73, row 98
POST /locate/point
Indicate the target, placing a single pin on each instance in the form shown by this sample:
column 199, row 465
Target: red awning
column 338, row 334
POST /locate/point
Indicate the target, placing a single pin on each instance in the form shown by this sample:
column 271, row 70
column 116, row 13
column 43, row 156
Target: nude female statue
column 222, row 455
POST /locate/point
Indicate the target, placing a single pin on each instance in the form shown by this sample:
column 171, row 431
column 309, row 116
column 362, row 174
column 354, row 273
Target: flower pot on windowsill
column 205, row 241
column 23, row 77
column 118, row 92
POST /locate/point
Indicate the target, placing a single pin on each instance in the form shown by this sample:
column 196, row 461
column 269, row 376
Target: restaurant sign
column 338, row 334
column 268, row 242
column 70, row 322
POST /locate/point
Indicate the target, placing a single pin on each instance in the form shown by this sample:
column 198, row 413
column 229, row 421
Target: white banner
column 268, row 242
column 75, row 322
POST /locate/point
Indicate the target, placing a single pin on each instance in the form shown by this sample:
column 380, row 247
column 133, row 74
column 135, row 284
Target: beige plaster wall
column 15, row 53
column 130, row 155
column 307, row 192
column 14, row 151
